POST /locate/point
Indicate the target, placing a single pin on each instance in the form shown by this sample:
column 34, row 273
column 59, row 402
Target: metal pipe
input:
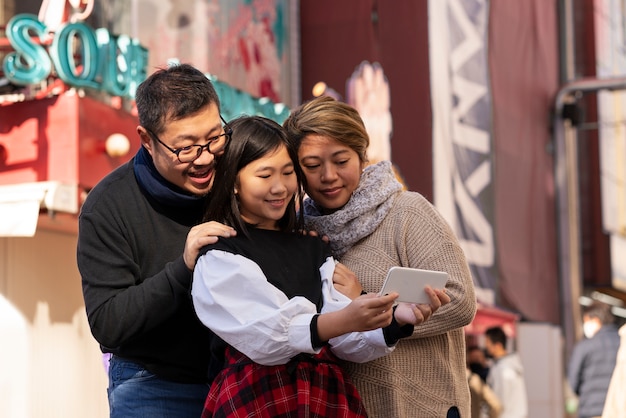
column 567, row 199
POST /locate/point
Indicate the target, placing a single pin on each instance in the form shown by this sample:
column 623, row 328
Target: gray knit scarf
column 366, row 209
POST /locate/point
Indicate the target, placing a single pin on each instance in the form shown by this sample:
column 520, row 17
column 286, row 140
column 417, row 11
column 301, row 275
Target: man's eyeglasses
column 191, row 153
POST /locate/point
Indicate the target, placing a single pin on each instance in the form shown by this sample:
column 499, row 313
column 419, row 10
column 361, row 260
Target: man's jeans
column 134, row 392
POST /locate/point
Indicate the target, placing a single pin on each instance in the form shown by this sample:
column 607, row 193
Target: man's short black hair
column 496, row 335
column 173, row 93
column 599, row 310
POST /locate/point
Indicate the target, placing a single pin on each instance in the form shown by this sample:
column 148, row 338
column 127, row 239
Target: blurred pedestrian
column 593, row 359
column 506, row 375
column 615, row 403
column 477, row 361
column 485, row 403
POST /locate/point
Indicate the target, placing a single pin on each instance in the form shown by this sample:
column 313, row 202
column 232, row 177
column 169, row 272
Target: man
column 506, row 375
column 593, row 359
column 139, row 236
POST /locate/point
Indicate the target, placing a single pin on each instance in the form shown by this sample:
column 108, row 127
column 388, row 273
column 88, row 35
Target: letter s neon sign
column 29, row 63
column 115, row 64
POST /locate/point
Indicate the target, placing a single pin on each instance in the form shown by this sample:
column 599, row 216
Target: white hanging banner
column 611, row 62
column 462, row 143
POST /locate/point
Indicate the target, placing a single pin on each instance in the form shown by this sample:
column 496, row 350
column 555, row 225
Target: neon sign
column 235, row 102
column 81, row 56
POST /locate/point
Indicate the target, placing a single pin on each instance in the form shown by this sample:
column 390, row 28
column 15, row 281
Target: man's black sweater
column 135, row 283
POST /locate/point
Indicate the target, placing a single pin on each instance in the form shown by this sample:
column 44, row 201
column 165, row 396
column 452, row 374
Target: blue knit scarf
column 158, row 187
column 366, row 209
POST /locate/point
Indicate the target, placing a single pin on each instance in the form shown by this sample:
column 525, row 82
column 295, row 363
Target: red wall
column 97, row 121
column 336, row 36
column 524, row 68
column 39, row 138
column 61, row 139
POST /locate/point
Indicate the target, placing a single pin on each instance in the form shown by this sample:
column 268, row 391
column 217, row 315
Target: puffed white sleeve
column 358, row 347
column 233, row 298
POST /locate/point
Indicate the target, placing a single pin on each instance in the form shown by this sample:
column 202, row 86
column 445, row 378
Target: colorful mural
column 368, row 91
column 244, row 43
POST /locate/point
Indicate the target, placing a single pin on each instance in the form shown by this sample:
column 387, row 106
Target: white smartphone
column 410, row 283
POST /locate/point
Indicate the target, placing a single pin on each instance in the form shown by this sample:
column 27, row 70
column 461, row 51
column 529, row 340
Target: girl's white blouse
column 233, row 298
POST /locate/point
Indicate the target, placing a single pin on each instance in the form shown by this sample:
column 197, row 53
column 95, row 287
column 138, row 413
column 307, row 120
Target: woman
column 373, row 225
column 268, row 293
column 484, row 400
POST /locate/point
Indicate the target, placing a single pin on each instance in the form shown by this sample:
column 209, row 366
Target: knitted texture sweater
column 425, row 376
column 135, row 282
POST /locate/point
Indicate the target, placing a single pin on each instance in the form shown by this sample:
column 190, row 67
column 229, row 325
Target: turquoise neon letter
column 62, row 53
column 29, row 64
column 122, row 63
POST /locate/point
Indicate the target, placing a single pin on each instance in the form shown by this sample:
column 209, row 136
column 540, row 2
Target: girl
column 268, row 293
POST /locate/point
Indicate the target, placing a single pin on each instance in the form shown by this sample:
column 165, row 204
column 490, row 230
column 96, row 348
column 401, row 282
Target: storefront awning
column 20, row 205
column 491, row 316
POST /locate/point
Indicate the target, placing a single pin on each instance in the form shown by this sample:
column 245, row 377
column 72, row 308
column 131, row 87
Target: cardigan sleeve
column 429, row 243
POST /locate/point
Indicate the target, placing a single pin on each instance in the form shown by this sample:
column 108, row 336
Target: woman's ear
column 364, row 163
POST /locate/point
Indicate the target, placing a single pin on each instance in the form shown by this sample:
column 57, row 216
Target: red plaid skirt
column 306, row 387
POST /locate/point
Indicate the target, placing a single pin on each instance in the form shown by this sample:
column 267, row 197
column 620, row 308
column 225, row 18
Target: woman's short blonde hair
column 326, row 116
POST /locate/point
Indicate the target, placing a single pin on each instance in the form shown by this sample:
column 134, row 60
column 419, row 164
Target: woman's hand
column 346, row 282
column 415, row 314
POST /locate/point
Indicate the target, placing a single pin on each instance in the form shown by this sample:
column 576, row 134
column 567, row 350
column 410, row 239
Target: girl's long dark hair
column 253, row 137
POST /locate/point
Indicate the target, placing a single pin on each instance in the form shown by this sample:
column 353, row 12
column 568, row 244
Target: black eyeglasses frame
column 228, row 131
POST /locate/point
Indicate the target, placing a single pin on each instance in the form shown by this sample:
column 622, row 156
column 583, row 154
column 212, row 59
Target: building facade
column 497, row 112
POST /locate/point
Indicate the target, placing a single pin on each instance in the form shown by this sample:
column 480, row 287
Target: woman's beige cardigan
column 425, row 375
